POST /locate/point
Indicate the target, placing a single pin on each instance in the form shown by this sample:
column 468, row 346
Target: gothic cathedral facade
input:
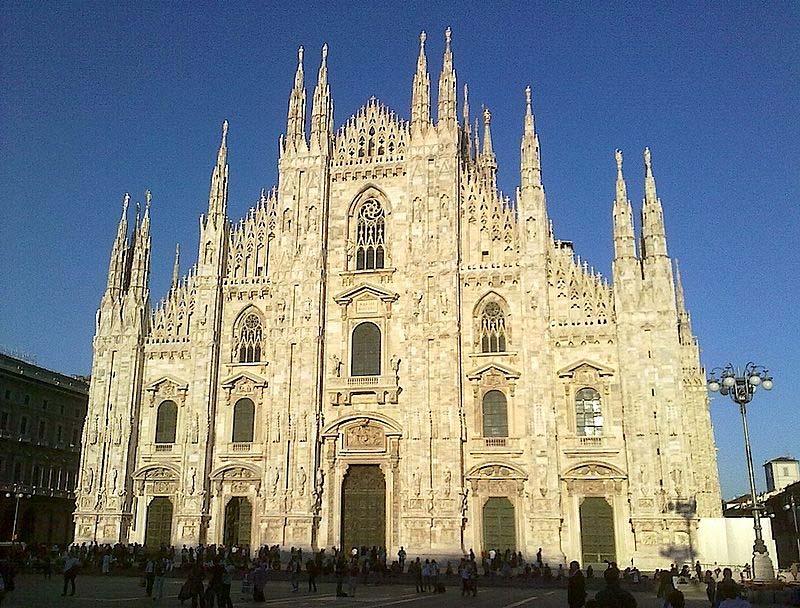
column 388, row 351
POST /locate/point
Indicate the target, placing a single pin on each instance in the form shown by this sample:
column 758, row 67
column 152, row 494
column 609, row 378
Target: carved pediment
column 594, row 470
column 167, row 387
column 156, row 473
column 585, row 366
column 493, row 369
column 244, row 384
column 496, row 470
column 236, row 472
column 365, row 291
column 365, row 435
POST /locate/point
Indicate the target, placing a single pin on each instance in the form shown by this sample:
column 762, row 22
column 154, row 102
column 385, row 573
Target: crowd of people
column 209, row 572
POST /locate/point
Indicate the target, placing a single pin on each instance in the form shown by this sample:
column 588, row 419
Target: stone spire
column 477, row 139
column 117, row 263
column 530, row 163
column 296, row 121
column 446, row 114
column 624, row 240
column 466, row 139
column 322, row 108
column 654, row 240
column 684, row 318
column 218, row 195
column 140, row 253
column 421, row 91
column 176, row 266
column 488, row 159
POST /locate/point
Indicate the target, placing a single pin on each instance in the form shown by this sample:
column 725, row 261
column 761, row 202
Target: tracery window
column 249, row 339
column 588, row 413
column 244, row 413
column 166, row 422
column 495, row 414
column 492, row 329
column 370, row 236
column 365, row 359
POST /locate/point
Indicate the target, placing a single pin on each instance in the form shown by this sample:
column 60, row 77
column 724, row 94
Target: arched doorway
column 158, row 530
column 364, row 507
column 597, row 531
column 499, row 524
column 238, row 522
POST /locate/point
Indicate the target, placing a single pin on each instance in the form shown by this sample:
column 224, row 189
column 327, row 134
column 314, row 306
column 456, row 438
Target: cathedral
column 387, row 350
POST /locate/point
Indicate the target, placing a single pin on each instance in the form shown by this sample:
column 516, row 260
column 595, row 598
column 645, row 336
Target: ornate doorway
column 364, row 507
column 238, row 522
column 499, row 524
column 597, row 530
column 158, row 530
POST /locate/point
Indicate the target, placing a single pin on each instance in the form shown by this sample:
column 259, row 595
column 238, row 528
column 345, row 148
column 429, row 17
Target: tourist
column 341, row 568
column 149, row 575
column 106, row 563
column 698, row 570
column 612, row 595
column 294, row 573
column 539, row 561
column 71, row 566
column 665, row 585
column 426, row 575
column 576, row 586
column 416, row 566
column 312, row 568
column 160, row 571
column 258, row 577
column 352, row 579
column 675, row 599
column 727, row 588
column 711, row 586
column 401, row 557
column 434, row 574
column 728, row 595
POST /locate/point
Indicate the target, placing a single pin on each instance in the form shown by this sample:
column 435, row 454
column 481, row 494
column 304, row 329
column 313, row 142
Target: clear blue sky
column 97, row 100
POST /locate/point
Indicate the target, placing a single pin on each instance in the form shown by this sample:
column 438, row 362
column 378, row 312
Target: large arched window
column 370, row 236
column 492, row 329
column 366, row 350
column 249, row 337
column 166, row 422
column 495, row 415
column 244, row 413
column 588, row 413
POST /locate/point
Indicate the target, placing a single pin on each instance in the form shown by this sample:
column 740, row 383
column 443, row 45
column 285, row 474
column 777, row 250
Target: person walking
column 417, row 567
column 612, row 595
column 224, row 588
column 161, row 566
column 149, row 575
column 711, row 586
column 311, row 568
column 259, row 579
column 352, row 580
column 294, row 574
column 665, row 585
column 576, row 586
column 727, row 588
column 71, row 566
column 401, row 558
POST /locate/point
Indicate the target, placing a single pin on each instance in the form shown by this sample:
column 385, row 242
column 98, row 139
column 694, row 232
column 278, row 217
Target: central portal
column 238, row 520
column 364, row 507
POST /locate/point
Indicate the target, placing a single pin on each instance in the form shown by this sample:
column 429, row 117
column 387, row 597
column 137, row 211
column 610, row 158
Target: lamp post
column 740, row 385
column 17, row 495
column 793, row 507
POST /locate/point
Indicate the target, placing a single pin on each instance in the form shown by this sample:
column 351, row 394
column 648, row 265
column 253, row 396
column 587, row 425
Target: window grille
column 370, row 236
column 244, row 413
column 588, row 413
column 166, row 422
column 495, row 414
column 366, row 350
column 493, row 329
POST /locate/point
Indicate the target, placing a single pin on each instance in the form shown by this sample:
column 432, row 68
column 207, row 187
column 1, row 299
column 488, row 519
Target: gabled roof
column 153, row 386
column 351, row 294
column 570, row 370
column 508, row 372
column 231, row 381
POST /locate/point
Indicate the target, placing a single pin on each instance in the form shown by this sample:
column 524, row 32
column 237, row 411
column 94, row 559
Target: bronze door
column 363, row 507
column 597, row 531
column 158, row 530
column 499, row 525
column 238, row 522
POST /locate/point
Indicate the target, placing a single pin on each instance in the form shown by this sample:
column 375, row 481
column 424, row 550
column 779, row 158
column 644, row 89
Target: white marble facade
column 474, row 303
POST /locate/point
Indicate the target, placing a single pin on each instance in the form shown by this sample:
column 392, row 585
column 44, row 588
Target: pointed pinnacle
column 528, row 100
column 618, row 157
column 487, row 116
column 300, row 56
column 125, row 202
column 148, row 197
column 447, row 35
column 224, row 133
column 648, row 166
column 324, row 51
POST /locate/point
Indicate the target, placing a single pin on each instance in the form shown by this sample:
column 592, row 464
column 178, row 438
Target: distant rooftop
column 20, row 368
column 781, row 459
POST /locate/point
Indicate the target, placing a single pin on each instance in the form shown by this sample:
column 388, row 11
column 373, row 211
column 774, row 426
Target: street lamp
column 17, row 496
column 740, row 385
column 793, row 507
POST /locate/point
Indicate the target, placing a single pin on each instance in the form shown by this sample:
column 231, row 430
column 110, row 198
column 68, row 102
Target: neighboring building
column 388, row 351
column 781, row 472
column 783, row 507
column 41, row 421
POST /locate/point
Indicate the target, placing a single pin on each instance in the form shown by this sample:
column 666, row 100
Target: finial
column 125, row 202
column 422, row 37
column 618, row 157
column 300, row 55
column 225, row 132
column 148, row 197
column 648, row 167
column 487, row 116
column 447, row 38
column 528, row 98
column 324, row 51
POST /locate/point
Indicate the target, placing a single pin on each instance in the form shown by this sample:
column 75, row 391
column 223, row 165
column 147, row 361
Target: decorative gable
column 244, row 384
column 585, row 368
column 167, row 387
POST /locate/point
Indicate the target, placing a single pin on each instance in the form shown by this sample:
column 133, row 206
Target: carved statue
column 448, row 478
column 304, row 427
column 88, row 483
column 276, row 477
column 320, row 481
column 464, row 495
column 394, row 363
column 336, row 365
column 95, row 430
column 418, row 296
column 417, row 481
column 301, row 480
column 192, row 480
column 114, row 474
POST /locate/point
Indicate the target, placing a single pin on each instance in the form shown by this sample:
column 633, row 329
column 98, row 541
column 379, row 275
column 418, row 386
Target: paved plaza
column 33, row 591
